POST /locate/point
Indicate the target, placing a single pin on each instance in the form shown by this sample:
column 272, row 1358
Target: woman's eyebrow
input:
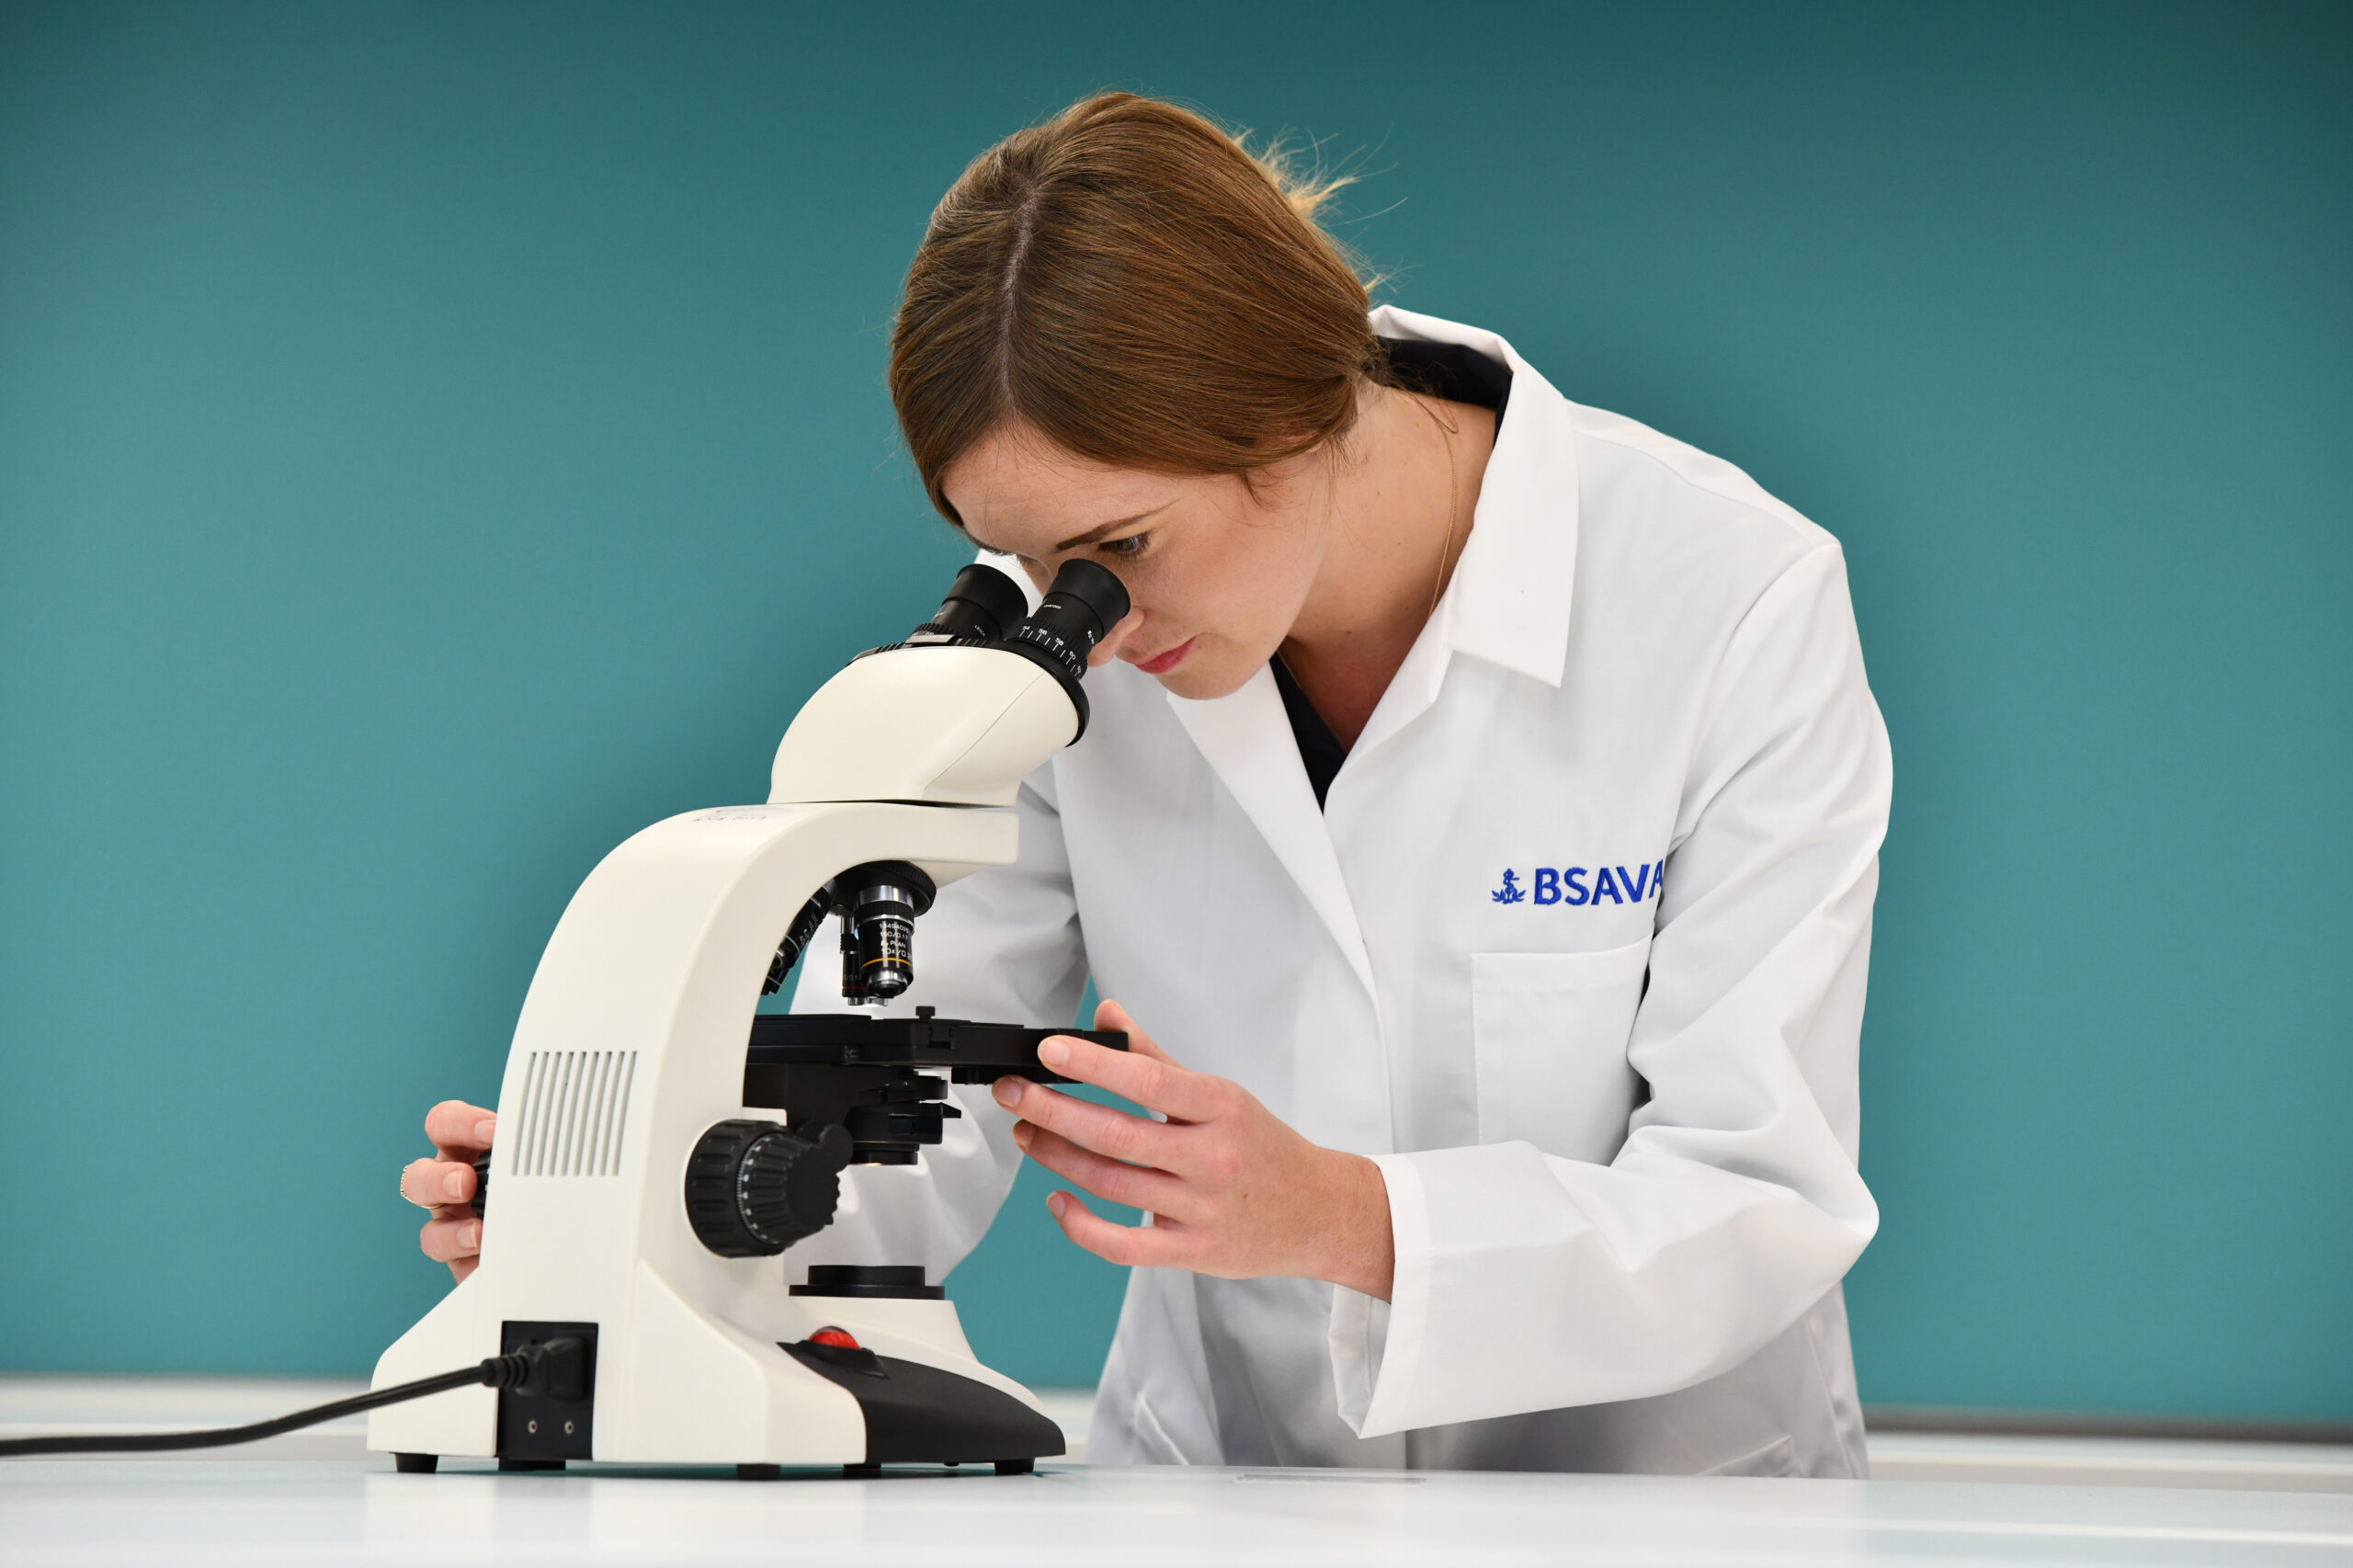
column 1101, row 529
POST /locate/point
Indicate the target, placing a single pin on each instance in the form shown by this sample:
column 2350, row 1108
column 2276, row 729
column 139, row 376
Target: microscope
column 662, row 1146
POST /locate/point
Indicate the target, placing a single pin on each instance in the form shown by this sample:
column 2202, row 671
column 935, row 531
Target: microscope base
column 675, row 1384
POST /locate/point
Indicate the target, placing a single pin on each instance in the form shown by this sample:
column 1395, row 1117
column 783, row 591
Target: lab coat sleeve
column 1001, row 946
column 1525, row 1281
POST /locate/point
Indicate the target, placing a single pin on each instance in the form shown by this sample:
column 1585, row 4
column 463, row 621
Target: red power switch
column 838, row 1338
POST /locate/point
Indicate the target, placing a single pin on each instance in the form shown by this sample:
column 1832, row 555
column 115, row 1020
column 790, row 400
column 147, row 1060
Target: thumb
column 1111, row 1016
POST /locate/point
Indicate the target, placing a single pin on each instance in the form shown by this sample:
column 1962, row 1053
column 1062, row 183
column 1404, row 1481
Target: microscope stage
column 968, row 1052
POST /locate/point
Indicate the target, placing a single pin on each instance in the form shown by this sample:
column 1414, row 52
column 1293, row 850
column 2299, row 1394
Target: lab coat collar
column 1508, row 600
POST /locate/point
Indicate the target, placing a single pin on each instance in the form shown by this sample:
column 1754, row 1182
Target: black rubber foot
column 1016, row 1467
column 759, row 1472
column 415, row 1464
column 860, row 1471
column 530, row 1464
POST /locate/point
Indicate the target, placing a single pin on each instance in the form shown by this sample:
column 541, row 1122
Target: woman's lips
column 1161, row 663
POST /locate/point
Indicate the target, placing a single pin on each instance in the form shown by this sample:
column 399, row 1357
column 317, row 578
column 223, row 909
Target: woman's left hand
column 1233, row 1191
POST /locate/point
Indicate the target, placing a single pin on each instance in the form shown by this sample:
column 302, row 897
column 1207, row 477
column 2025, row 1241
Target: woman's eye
column 1125, row 548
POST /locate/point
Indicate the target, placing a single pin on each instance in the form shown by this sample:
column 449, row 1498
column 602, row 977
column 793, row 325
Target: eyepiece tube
column 983, row 603
column 1080, row 610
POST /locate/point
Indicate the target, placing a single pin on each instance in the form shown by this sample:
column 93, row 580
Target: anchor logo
column 1511, row 892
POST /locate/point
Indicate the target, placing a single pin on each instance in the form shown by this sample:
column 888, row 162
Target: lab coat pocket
column 1549, row 1034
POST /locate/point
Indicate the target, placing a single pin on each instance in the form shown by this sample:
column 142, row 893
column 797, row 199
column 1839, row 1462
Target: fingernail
column 454, row 1184
column 485, row 1130
column 1022, row 1131
column 1008, row 1092
column 1054, row 1052
column 1054, row 1204
column 470, row 1235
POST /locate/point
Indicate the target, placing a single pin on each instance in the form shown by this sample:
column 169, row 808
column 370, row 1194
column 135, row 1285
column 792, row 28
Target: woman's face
column 1215, row 573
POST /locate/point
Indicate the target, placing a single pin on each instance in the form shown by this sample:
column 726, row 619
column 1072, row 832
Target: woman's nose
column 1109, row 648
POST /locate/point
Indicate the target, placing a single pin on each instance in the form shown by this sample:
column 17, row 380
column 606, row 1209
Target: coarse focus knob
column 755, row 1188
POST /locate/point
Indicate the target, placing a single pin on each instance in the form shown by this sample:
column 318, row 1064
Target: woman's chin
column 1201, row 679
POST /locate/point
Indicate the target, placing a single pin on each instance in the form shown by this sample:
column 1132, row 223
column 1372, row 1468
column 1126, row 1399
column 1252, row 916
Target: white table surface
column 317, row 1497
column 345, row 1511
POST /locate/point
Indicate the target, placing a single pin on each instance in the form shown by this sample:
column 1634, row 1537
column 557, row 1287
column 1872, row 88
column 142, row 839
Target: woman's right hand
column 461, row 1133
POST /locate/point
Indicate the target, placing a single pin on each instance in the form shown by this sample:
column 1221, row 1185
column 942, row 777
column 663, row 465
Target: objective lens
column 797, row 938
column 853, row 977
column 878, row 904
column 886, row 941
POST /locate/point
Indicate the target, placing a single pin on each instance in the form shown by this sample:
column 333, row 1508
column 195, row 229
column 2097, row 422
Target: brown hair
column 1129, row 282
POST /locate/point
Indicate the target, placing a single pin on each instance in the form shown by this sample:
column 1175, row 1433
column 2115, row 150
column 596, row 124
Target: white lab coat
column 1618, row 1131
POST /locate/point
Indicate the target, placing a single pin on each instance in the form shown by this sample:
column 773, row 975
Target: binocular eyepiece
column 985, row 605
column 982, row 605
column 984, row 609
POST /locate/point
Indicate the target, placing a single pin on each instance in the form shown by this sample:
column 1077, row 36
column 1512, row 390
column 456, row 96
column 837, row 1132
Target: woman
column 1481, row 838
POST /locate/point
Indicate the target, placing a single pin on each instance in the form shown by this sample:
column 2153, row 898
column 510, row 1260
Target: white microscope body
column 632, row 1045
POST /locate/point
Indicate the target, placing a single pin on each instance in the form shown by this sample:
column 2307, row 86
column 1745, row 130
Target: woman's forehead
column 1019, row 493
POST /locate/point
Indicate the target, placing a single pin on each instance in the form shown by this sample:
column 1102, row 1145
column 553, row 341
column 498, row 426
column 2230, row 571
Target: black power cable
column 557, row 1370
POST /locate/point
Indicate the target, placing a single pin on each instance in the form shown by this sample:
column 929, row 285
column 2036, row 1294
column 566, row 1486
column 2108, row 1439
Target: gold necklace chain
column 1453, row 505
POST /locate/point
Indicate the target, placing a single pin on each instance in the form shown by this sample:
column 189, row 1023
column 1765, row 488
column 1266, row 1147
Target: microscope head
column 984, row 608
column 964, row 708
column 958, row 713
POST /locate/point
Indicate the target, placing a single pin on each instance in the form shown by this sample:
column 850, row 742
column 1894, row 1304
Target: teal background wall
column 437, row 439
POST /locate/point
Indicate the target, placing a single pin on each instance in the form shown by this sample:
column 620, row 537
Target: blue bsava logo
column 1569, row 885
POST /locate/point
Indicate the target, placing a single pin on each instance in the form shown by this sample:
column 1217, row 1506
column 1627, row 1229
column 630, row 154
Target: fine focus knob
column 755, row 1188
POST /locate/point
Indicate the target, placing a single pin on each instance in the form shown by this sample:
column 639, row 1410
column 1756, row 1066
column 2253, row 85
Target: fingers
column 1143, row 1073
column 1110, row 1179
column 431, row 1183
column 454, row 1127
column 459, row 1132
column 1117, row 1133
column 452, row 1234
column 1110, row 1015
column 1131, row 1246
